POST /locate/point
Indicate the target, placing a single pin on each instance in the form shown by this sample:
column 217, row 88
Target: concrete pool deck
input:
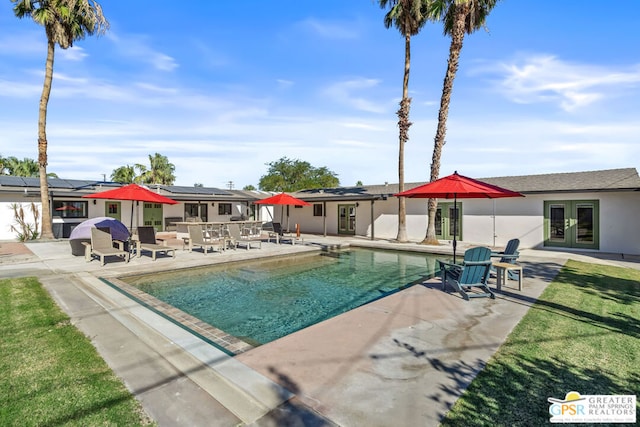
column 401, row 360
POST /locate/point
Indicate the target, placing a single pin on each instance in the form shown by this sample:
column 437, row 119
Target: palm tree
column 124, row 174
column 64, row 21
column 460, row 17
column 160, row 172
column 408, row 16
column 16, row 167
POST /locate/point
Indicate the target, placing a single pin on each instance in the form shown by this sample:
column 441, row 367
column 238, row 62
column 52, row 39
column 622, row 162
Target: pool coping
column 217, row 337
column 220, row 339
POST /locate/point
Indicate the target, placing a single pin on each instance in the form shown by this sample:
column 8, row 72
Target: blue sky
column 224, row 88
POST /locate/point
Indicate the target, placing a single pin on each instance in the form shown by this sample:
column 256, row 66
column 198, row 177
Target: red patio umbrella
column 133, row 192
column 457, row 186
column 283, row 199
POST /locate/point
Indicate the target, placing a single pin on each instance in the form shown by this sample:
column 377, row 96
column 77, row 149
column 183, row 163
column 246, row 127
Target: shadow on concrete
column 292, row 413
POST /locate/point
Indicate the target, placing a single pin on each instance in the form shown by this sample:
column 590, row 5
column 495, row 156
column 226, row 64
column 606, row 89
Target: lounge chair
column 243, row 236
column 278, row 234
column 472, row 273
column 147, row 242
column 198, row 238
column 102, row 245
column 510, row 256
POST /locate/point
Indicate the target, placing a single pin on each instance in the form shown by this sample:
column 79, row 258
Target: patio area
column 401, row 360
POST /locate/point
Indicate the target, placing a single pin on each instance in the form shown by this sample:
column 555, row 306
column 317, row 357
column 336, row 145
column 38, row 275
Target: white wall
column 521, row 218
column 7, row 217
column 98, row 209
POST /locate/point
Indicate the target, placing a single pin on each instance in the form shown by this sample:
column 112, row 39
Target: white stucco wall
column 521, row 218
column 7, row 217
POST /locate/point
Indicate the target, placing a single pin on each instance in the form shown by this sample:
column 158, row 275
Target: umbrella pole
column 455, row 224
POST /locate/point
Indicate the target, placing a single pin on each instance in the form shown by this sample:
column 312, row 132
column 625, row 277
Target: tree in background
column 460, row 17
column 293, row 175
column 15, row 167
column 64, row 22
column 408, row 16
column 26, row 167
column 198, row 184
column 359, row 183
column 159, row 172
column 124, row 174
column 249, row 187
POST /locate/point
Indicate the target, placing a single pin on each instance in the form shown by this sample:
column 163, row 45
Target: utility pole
column 230, row 185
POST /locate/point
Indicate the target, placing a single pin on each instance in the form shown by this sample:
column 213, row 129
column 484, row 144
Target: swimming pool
column 262, row 300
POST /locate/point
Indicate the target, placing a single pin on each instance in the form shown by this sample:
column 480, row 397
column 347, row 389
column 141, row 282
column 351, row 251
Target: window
column 224, row 208
column 317, row 209
column 196, row 210
column 70, row 209
column 113, row 208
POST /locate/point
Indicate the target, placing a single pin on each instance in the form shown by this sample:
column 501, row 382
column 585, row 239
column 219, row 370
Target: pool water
column 263, row 300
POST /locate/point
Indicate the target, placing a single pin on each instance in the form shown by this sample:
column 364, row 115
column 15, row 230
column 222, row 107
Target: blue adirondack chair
column 509, row 255
column 472, row 273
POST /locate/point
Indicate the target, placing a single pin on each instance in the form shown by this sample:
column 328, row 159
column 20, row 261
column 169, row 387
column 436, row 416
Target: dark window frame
column 71, row 208
column 225, row 209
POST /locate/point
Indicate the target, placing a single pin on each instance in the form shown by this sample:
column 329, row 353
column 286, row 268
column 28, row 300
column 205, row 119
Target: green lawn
column 51, row 373
column 582, row 335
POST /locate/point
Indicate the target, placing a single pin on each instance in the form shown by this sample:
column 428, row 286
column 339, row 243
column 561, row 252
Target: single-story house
column 591, row 211
column 594, row 211
column 70, row 209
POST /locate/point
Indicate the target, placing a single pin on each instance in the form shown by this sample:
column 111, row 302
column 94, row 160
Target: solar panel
column 196, row 190
column 60, row 183
column 19, row 181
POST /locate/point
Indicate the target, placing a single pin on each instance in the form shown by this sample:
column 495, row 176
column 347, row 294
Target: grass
column 583, row 334
column 51, row 373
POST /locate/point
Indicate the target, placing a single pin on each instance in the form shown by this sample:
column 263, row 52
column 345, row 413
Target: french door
column 347, row 219
column 572, row 224
column 444, row 221
column 152, row 215
column 113, row 209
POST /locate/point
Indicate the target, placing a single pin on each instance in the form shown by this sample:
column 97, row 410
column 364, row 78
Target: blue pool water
column 263, row 300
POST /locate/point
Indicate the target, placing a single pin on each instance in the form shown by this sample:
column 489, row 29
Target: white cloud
column 138, row 48
column 74, row 53
column 24, row 43
column 549, row 79
column 344, row 92
column 284, row 84
column 15, row 89
column 330, row 30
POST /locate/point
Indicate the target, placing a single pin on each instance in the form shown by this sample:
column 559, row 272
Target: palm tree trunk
column 47, row 228
column 457, row 38
column 403, row 125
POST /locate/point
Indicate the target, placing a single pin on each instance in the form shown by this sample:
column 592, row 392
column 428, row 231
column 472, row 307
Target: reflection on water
column 263, row 300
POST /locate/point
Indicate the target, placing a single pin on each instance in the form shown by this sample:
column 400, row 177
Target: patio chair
column 472, row 273
column 147, row 242
column 198, row 238
column 510, row 256
column 280, row 235
column 242, row 236
column 102, row 245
